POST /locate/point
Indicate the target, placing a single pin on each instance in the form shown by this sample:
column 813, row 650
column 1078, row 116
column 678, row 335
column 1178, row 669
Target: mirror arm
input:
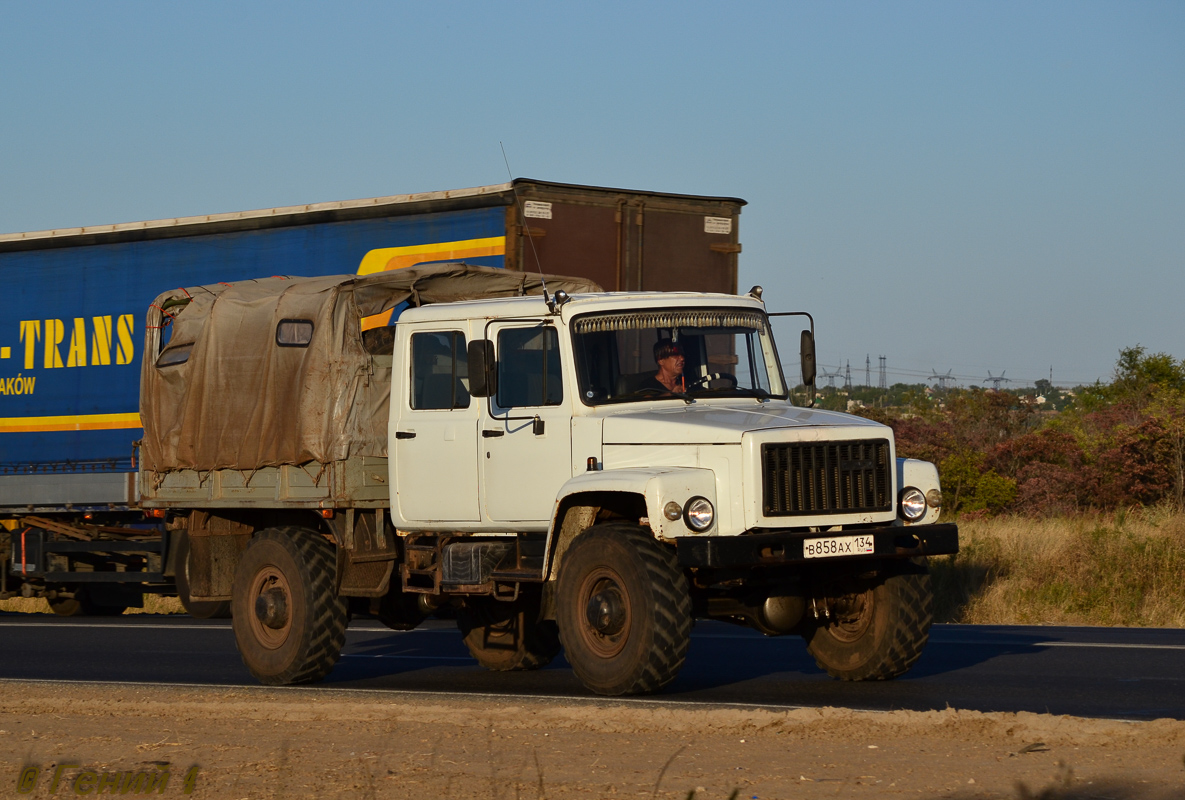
column 802, row 351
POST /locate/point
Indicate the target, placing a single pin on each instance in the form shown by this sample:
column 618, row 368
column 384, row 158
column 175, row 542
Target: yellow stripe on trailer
column 80, row 422
column 388, row 258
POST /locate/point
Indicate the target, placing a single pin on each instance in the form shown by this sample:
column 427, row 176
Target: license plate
column 837, row 546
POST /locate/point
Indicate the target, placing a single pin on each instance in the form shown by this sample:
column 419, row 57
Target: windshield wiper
column 760, row 394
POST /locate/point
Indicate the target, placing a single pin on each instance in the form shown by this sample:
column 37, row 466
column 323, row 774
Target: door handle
column 492, row 434
column 405, row 434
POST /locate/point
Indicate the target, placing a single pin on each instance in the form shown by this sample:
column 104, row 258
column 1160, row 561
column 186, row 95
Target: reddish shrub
column 1046, row 489
column 1047, row 446
column 929, row 441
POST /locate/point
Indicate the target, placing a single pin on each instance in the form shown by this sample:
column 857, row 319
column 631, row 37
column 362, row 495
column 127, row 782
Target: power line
column 916, row 376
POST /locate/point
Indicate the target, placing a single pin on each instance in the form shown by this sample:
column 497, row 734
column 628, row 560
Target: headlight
column 699, row 514
column 912, row 504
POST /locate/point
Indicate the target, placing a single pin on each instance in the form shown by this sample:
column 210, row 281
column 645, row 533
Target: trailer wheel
column 81, row 605
column 400, row 610
column 877, row 627
column 289, row 623
column 508, row 636
column 624, row 610
column 199, row 609
column 66, row 606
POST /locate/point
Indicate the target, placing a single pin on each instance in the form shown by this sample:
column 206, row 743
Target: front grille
column 826, row 478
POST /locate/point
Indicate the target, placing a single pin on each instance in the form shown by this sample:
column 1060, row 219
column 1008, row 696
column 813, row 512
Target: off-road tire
column 508, row 636
column 300, row 565
column 624, row 610
column 198, row 609
column 885, row 629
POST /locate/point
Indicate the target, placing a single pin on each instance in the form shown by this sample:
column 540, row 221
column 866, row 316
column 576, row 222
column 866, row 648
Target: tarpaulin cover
column 241, row 400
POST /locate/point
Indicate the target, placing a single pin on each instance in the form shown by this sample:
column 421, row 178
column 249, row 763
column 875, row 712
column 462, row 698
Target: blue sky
column 964, row 186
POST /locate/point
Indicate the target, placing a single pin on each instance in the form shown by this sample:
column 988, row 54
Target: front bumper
column 782, row 548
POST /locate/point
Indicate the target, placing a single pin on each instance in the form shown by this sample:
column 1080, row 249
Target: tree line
column 1109, row 446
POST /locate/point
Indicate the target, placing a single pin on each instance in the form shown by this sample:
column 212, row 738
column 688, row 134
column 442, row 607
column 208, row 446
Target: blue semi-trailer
column 71, row 340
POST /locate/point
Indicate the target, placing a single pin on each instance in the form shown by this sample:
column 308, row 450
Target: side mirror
column 483, row 368
column 806, row 353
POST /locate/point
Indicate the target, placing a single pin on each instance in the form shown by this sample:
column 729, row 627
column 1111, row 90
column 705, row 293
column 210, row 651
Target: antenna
column 522, row 216
column 884, row 383
column 867, row 370
column 996, row 380
column 847, row 378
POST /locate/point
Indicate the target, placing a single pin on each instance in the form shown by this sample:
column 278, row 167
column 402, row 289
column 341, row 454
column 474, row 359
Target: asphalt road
column 1127, row 673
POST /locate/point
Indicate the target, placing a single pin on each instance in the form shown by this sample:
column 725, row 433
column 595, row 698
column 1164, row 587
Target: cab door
column 526, row 443
column 434, row 437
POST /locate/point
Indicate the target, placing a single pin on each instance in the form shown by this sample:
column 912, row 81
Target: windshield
column 685, row 353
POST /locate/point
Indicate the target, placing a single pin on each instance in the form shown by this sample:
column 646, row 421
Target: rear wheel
column 624, row 610
column 876, row 627
column 201, row 609
column 508, row 636
column 289, row 623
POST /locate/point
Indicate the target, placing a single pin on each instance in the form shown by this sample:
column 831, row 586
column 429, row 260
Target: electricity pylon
column 943, row 380
column 831, row 376
column 995, row 380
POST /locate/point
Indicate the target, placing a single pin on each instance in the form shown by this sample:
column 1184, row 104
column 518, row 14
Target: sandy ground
column 297, row 743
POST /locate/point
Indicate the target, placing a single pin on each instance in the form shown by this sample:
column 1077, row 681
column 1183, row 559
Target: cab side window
column 439, row 371
column 529, row 368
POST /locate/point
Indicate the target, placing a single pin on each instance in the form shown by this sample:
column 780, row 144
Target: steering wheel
column 714, row 380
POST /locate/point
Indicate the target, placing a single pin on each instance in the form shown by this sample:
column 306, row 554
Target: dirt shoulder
column 259, row 743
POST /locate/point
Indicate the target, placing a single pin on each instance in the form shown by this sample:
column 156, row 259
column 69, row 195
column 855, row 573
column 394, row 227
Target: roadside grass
column 1123, row 568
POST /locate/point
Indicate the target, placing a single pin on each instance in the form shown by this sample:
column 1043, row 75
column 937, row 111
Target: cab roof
column 581, row 303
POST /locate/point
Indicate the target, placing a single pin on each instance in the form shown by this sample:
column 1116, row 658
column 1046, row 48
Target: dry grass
column 153, row 604
column 1126, row 568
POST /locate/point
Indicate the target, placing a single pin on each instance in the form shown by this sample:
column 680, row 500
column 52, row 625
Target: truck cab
column 542, row 422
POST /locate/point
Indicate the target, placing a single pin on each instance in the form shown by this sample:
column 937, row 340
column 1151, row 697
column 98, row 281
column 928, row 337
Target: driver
column 668, row 355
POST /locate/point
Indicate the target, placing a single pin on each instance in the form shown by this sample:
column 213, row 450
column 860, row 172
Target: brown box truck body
column 624, row 240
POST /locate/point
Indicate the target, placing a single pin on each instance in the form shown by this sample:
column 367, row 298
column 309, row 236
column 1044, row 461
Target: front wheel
column 624, row 610
column 289, row 623
column 875, row 627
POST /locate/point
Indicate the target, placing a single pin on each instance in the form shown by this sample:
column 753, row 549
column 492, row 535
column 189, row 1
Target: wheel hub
column 271, row 608
column 606, row 611
column 271, row 621
column 851, row 615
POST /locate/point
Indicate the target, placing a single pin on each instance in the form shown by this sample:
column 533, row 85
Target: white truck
column 526, row 460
